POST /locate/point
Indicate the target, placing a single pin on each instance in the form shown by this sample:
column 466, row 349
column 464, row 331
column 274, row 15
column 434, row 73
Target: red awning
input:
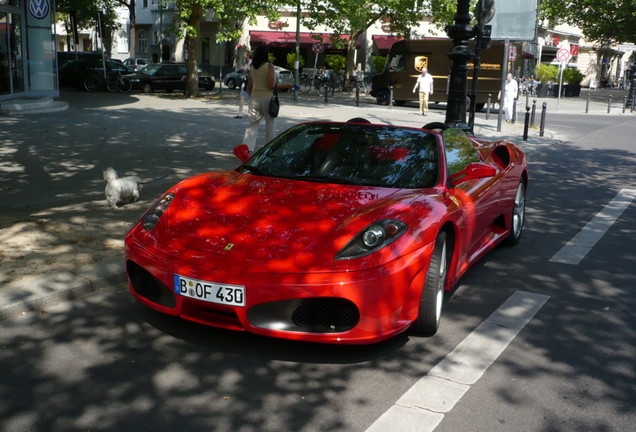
column 283, row 38
column 385, row 42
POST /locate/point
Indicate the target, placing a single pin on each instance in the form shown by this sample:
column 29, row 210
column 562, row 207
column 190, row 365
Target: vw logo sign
column 39, row 8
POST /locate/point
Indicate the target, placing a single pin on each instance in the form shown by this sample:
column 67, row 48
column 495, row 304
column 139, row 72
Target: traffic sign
column 563, row 55
column 317, row 47
column 512, row 53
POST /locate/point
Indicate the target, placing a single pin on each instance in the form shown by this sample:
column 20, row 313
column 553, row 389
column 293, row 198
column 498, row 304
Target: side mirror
column 242, row 151
column 473, row 171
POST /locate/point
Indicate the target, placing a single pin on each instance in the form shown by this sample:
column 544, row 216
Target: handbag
column 274, row 105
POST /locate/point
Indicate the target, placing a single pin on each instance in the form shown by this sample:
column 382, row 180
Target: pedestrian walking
column 260, row 85
column 243, row 93
column 425, row 84
column 511, row 91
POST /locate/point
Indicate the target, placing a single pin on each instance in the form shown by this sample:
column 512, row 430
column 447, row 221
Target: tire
column 124, row 85
column 323, row 88
column 383, row 97
column 91, row 84
column 231, row 83
column 147, row 88
column 432, row 298
column 111, row 85
column 518, row 216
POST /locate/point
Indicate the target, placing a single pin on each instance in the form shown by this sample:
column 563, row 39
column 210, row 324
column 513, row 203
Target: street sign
column 317, row 47
column 563, row 55
column 512, row 53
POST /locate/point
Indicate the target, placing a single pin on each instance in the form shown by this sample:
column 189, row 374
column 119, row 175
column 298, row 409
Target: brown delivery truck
column 407, row 57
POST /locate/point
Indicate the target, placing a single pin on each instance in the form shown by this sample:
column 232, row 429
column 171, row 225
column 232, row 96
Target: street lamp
column 461, row 32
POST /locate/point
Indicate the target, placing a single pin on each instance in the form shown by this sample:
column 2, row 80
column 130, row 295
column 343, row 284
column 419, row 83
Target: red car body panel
column 278, row 237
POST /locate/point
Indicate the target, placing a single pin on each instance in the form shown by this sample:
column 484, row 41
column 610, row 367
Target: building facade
column 27, row 49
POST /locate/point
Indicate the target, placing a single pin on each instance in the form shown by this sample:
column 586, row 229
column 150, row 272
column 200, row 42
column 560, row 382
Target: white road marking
column 576, row 249
column 423, row 406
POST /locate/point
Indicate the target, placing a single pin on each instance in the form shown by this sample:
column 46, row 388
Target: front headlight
column 154, row 213
column 374, row 237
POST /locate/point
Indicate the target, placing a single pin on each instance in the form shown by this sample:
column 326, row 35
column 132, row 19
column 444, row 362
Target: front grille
column 326, row 315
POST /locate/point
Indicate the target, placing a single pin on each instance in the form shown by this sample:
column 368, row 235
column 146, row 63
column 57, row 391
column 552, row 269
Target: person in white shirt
column 511, row 90
column 425, row 83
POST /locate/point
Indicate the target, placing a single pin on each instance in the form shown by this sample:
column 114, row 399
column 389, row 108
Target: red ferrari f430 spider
column 344, row 233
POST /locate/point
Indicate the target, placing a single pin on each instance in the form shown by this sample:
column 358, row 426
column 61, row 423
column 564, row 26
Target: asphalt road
column 105, row 363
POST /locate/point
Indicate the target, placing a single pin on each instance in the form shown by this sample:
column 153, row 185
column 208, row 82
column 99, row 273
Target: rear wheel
column 383, row 97
column 124, row 84
column 432, row 297
column 91, row 84
column 518, row 215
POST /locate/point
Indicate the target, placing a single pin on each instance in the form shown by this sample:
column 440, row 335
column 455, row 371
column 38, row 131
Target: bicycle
column 118, row 82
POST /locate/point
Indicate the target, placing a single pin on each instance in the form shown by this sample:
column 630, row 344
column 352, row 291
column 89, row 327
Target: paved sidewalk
column 58, row 237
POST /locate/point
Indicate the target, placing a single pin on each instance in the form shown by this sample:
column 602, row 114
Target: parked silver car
column 283, row 76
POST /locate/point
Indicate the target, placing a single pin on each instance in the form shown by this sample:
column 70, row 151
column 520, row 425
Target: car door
column 477, row 197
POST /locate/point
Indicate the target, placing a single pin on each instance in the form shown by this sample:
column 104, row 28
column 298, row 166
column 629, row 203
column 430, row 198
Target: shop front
column 27, row 49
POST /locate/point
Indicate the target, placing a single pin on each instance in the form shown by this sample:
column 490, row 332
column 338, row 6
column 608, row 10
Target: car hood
column 270, row 220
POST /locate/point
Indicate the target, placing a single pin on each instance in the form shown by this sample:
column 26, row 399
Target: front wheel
column 231, row 83
column 518, row 216
column 432, row 297
column 147, row 88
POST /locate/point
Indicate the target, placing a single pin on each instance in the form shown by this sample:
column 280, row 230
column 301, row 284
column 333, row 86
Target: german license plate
column 213, row 292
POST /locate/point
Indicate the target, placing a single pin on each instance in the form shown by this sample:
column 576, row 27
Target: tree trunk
column 132, row 47
column 192, row 78
column 351, row 56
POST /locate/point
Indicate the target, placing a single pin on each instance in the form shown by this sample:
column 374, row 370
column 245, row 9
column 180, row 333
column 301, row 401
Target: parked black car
column 89, row 73
column 168, row 77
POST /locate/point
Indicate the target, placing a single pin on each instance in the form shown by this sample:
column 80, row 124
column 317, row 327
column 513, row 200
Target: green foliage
column 599, row 20
column 271, row 58
column 572, row 76
column 546, row 72
column 378, row 62
column 336, row 62
column 291, row 59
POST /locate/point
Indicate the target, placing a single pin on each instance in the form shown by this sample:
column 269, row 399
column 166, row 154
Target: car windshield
column 351, row 153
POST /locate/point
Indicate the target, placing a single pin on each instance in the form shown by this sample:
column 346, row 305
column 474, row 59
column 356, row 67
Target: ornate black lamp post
column 461, row 32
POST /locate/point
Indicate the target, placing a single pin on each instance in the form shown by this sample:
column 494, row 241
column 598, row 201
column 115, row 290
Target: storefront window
column 11, row 58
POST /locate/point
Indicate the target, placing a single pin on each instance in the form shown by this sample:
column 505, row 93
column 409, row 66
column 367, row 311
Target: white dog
column 121, row 191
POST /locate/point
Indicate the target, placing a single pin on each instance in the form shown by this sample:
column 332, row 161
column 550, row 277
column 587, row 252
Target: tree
column 599, row 20
column 132, row 16
column 228, row 13
column 85, row 12
column 354, row 17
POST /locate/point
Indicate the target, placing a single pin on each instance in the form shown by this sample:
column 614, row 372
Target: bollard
column 488, row 107
column 357, row 93
column 326, row 93
column 543, row 110
column 587, row 104
column 390, row 96
column 534, row 109
column 514, row 110
column 624, row 103
column 526, row 123
column 609, row 104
